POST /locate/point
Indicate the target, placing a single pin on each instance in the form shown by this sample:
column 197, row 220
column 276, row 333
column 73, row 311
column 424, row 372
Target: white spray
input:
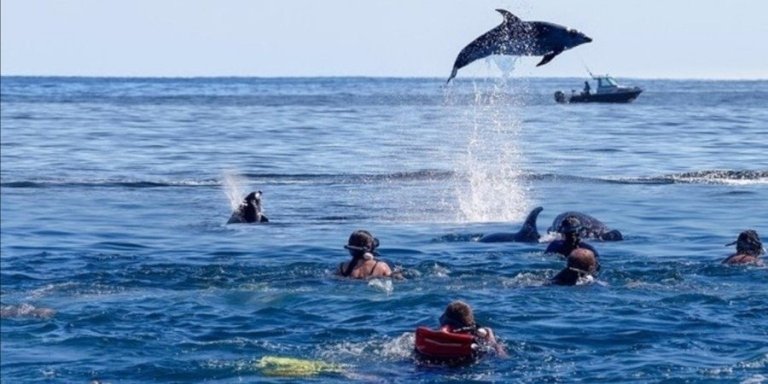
column 233, row 187
column 489, row 184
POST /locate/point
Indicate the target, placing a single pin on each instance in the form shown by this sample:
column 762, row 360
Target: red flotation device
column 443, row 345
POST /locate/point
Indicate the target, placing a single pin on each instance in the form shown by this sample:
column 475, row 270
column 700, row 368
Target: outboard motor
column 560, row 97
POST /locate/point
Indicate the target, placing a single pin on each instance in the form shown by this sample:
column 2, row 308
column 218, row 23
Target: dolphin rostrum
column 515, row 37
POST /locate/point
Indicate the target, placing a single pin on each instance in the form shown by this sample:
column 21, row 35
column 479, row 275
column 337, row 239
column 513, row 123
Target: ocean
column 118, row 266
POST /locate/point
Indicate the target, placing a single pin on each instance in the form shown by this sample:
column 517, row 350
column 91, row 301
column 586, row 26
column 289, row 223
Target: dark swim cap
column 570, row 224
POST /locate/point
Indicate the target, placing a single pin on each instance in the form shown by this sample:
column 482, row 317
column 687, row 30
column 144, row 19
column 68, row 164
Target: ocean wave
column 728, row 177
column 260, row 178
column 723, row 176
column 25, row 310
column 107, row 183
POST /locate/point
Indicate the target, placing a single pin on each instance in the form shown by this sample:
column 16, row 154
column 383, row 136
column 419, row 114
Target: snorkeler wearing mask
column 569, row 227
column 582, row 265
column 362, row 247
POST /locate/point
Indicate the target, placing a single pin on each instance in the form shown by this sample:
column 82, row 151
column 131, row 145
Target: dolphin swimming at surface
column 515, row 37
column 591, row 228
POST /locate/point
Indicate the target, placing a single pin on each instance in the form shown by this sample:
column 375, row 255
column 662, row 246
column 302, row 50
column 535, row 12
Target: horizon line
column 191, row 77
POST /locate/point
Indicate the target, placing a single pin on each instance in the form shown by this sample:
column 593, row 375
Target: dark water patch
column 21, row 116
column 120, row 184
column 118, row 246
column 23, row 184
column 53, row 233
column 607, row 150
column 736, row 193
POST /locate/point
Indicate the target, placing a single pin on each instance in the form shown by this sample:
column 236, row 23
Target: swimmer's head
column 458, row 315
column 361, row 243
column 583, row 261
column 570, row 226
column 749, row 243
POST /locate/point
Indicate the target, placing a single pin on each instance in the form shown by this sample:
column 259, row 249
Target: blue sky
column 401, row 38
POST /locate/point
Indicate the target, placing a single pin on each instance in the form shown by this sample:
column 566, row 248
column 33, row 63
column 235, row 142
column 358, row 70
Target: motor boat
column 608, row 91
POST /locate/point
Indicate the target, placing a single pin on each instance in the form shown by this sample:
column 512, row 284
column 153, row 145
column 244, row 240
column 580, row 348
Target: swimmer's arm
column 490, row 338
column 383, row 269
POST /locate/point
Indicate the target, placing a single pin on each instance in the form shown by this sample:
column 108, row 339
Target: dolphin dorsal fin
column 508, row 16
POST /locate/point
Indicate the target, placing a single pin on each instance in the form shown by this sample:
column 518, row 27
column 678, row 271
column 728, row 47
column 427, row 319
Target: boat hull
column 613, row 97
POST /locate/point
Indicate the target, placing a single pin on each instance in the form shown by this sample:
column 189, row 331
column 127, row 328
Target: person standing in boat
column 586, row 87
column 458, row 318
column 362, row 247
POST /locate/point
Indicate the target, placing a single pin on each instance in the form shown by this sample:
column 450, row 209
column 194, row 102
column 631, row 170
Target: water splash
column 489, row 183
column 233, row 183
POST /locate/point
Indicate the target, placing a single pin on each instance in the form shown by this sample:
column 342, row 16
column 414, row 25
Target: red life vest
column 444, row 344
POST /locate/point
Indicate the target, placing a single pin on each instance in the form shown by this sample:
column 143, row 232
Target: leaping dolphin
column 515, row 37
column 527, row 234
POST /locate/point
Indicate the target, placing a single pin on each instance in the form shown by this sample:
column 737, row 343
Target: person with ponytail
column 362, row 247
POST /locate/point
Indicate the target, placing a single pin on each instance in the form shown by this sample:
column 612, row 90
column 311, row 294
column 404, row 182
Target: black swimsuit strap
column 373, row 268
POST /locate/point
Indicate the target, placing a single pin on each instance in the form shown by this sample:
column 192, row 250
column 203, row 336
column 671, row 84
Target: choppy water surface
column 117, row 264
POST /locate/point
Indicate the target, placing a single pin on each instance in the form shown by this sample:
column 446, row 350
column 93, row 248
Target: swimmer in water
column 582, row 265
column 458, row 318
column 748, row 249
column 570, row 228
column 362, row 247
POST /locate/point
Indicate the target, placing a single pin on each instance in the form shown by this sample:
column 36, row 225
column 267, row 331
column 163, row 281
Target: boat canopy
column 606, row 82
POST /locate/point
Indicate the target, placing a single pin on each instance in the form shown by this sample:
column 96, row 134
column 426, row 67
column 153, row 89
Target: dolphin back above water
column 515, row 37
column 527, row 234
column 591, row 228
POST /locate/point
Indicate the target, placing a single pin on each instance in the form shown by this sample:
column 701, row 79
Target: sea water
column 117, row 265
